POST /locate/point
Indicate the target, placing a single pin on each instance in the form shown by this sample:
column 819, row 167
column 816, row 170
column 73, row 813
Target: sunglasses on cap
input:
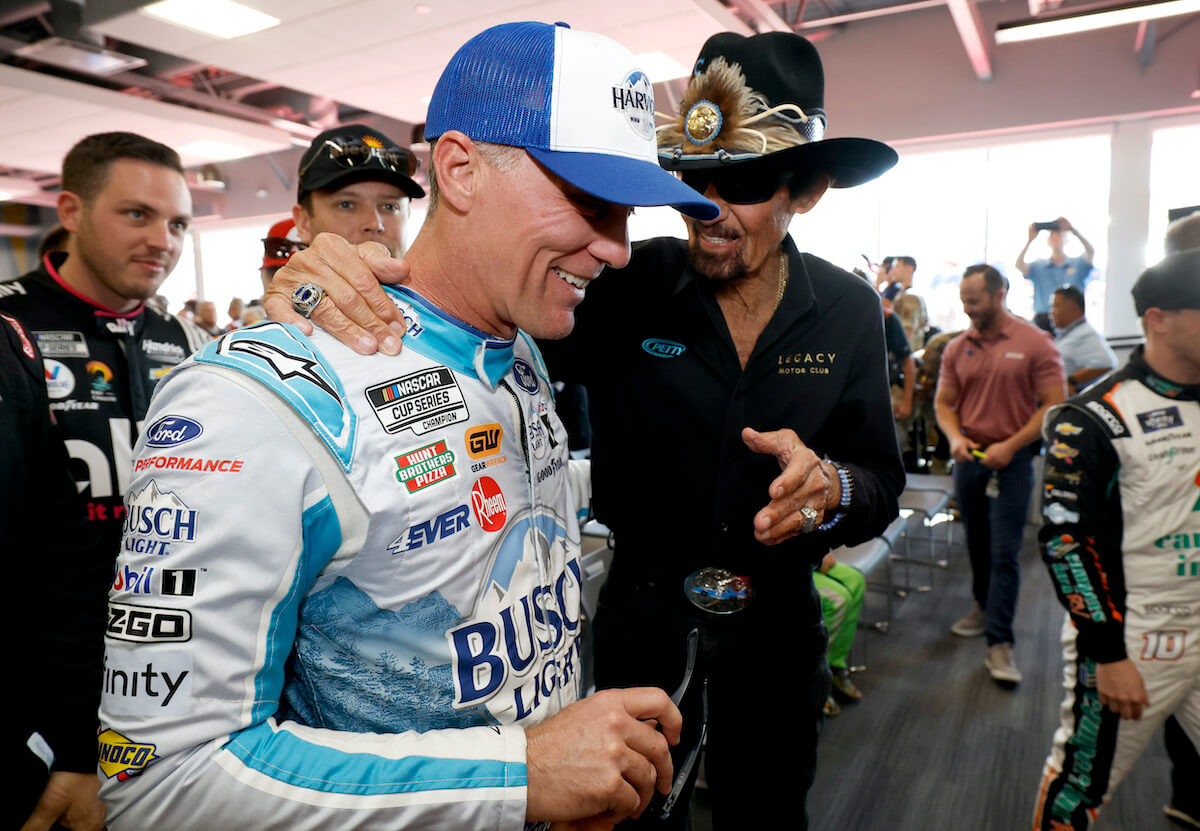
column 355, row 153
column 737, row 186
column 280, row 248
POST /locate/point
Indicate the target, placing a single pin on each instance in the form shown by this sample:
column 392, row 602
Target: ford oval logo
column 171, row 430
column 663, row 348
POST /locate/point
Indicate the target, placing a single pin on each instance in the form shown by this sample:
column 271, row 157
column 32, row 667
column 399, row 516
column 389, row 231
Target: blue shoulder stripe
column 458, row 345
column 293, row 760
column 282, row 359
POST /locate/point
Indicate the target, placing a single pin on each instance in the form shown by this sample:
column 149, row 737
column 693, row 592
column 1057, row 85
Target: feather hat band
column 761, row 100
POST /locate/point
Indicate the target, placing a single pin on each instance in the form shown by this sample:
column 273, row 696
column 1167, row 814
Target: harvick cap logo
column 634, row 98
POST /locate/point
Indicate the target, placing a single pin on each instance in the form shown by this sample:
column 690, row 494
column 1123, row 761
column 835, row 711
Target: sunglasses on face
column 737, row 187
column 354, row 153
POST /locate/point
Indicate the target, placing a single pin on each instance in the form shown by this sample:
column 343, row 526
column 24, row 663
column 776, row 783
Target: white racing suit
column 346, row 585
column 1121, row 538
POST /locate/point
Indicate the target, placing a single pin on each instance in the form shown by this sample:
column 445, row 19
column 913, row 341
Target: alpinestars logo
column 283, row 364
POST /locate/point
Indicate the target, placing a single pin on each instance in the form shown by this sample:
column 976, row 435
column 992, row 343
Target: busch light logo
column 171, row 430
column 156, row 518
column 525, row 376
column 663, row 348
column 634, row 98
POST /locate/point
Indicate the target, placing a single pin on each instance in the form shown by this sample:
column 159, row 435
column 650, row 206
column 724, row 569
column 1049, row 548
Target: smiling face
column 128, row 238
column 360, row 212
column 744, row 239
column 548, row 240
column 983, row 307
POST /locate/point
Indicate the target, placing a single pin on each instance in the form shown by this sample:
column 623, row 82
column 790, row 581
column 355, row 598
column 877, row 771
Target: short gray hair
column 503, row 157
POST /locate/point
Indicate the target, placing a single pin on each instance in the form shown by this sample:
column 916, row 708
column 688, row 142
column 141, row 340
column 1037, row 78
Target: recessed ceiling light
column 1070, row 22
column 219, row 18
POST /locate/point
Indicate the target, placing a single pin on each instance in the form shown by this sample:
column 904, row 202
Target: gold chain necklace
column 782, row 278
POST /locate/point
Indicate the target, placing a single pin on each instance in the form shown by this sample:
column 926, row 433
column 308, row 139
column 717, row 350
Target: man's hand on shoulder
column 355, row 309
column 602, row 758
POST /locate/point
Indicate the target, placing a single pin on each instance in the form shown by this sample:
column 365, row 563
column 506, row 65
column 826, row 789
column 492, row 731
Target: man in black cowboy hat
column 355, row 182
column 711, row 366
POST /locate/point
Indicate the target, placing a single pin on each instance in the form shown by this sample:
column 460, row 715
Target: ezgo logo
column 122, row 758
column 660, row 348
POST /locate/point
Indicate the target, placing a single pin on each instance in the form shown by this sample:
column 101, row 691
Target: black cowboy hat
column 784, row 86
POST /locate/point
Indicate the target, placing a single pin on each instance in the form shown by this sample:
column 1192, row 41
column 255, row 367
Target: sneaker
column 831, row 708
column 1180, row 818
column 999, row 663
column 843, row 686
column 971, row 626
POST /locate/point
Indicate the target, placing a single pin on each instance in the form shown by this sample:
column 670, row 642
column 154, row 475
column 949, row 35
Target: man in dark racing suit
column 52, row 744
column 126, row 205
column 1122, row 541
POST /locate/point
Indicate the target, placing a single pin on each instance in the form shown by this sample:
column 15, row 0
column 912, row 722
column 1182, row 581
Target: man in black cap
column 1122, row 519
column 711, row 365
column 355, row 182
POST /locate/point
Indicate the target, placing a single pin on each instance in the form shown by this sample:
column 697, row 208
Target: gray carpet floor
column 935, row 743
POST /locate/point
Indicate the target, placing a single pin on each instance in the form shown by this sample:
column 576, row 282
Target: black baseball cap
column 356, row 153
column 1174, row 283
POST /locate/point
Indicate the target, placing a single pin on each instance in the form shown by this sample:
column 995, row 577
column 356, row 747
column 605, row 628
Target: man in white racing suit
column 351, row 583
column 1122, row 541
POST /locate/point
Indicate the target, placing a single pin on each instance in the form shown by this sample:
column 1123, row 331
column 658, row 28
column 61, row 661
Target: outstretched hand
column 601, row 759
column 355, row 309
column 805, row 480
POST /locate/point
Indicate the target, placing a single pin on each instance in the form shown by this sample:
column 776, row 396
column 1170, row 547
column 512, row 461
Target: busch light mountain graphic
column 375, row 674
column 159, row 515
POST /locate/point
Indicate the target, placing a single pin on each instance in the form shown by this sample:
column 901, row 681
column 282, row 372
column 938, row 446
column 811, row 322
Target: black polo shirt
column 671, row 475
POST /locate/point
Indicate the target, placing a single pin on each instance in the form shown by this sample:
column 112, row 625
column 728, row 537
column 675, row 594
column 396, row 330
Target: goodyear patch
column 122, row 758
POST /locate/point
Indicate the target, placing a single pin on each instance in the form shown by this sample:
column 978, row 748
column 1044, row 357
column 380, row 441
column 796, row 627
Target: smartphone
column 1046, row 226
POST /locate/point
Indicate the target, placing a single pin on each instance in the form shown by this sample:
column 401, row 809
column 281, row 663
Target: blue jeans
column 995, row 529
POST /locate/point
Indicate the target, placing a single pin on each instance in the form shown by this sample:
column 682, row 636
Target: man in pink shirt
column 997, row 380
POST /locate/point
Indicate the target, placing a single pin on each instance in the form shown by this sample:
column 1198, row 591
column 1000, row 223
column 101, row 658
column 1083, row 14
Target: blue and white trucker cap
column 574, row 100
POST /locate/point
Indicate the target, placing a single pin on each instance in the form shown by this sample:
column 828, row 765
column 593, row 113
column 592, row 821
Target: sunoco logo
column 121, row 758
column 488, row 501
column 663, row 348
column 634, row 98
column 171, row 430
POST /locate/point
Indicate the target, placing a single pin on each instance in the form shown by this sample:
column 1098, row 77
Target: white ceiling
column 41, row 117
column 385, row 56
